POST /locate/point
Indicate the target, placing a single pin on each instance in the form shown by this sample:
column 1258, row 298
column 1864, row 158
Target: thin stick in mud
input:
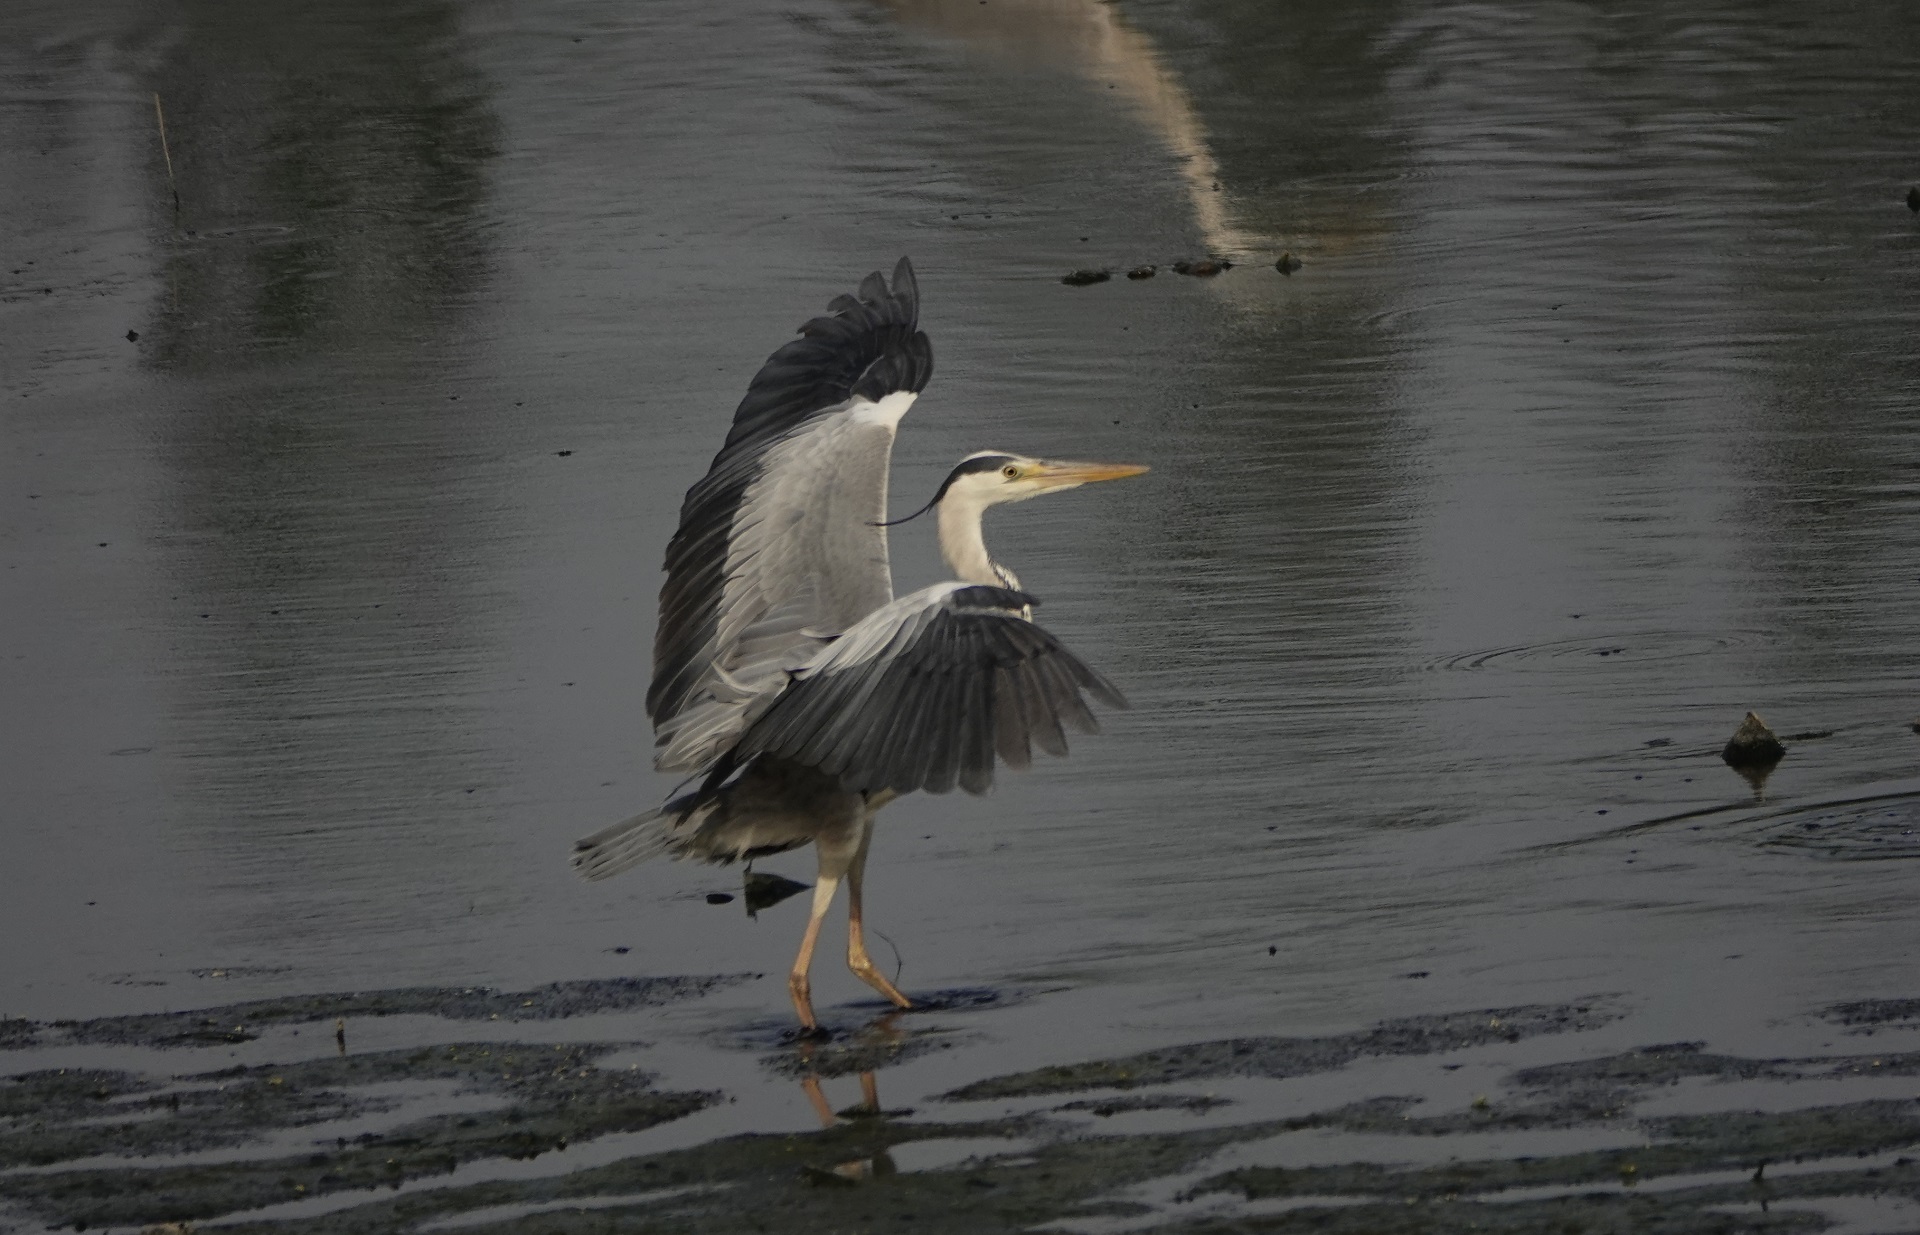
column 161, row 117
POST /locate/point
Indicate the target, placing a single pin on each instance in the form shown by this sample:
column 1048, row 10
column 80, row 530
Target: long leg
column 857, row 958
column 836, row 852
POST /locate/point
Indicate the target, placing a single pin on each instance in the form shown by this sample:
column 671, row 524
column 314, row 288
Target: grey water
column 332, row 502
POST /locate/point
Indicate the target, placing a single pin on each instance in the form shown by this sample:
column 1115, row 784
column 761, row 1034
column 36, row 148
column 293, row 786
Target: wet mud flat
column 1177, row 1138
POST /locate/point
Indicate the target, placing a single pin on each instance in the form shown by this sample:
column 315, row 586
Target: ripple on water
column 1561, row 655
column 1866, row 832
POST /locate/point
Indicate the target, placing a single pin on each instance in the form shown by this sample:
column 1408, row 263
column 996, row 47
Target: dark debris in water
column 1085, row 278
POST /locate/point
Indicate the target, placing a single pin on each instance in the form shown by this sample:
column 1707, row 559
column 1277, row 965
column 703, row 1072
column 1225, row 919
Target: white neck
column 961, row 542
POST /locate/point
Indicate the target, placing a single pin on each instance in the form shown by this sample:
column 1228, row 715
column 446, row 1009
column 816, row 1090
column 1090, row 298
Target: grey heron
column 786, row 673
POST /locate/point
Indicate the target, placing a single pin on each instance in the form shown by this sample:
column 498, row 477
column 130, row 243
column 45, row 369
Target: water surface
column 1587, row 425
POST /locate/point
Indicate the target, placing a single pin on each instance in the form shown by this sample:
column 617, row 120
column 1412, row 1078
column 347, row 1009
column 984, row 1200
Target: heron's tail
column 646, row 836
column 773, row 806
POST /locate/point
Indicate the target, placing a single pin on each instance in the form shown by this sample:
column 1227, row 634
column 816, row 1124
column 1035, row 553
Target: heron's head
column 990, row 477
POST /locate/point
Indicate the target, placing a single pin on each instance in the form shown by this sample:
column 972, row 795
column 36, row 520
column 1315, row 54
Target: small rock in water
column 133, row 336
column 1081, row 278
column 1205, row 268
column 1753, row 745
column 1287, row 264
column 719, row 898
column 1913, row 199
column 1142, row 272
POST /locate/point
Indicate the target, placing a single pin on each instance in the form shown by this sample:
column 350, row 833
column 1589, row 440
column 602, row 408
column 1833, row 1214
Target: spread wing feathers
column 776, row 550
column 927, row 691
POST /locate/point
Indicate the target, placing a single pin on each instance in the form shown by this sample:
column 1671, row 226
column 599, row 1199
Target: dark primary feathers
column 870, row 345
column 864, row 348
column 925, row 693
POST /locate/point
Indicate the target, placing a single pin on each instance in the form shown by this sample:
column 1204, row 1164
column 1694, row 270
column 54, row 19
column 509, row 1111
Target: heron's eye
column 1010, row 471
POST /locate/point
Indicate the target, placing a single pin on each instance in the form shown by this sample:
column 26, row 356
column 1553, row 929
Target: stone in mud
column 1287, row 264
column 1753, row 745
column 1082, row 278
column 1203, row 268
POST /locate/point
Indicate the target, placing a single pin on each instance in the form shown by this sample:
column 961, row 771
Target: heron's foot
column 865, row 970
column 802, row 992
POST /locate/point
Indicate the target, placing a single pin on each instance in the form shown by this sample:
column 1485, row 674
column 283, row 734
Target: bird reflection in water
column 869, row 1108
column 853, row 1170
column 787, row 675
column 1093, row 40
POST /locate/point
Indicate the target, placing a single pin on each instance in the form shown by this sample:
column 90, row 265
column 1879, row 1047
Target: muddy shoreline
column 87, row 1148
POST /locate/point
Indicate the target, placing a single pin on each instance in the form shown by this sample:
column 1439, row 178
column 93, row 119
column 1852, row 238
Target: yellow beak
column 1065, row 475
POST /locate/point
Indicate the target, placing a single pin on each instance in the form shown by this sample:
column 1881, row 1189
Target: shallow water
column 1588, row 424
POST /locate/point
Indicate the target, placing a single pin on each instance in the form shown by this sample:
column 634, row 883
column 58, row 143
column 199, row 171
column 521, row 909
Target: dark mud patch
column 1899, row 1012
column 1419, row 1165
column 1685, row 1176
column 842, row 1178
column 66, row 1093
column 1721, row 1156
column 241, row 1022
column 1278, row 1058
column 1193, row 1103
column 1671, row 1173
column 545, row 1098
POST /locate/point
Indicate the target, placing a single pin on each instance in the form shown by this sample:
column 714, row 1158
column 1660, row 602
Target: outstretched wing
column 925, row 692
column 777, row 551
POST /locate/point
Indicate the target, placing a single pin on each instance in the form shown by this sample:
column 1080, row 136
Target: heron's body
column 787, row 673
